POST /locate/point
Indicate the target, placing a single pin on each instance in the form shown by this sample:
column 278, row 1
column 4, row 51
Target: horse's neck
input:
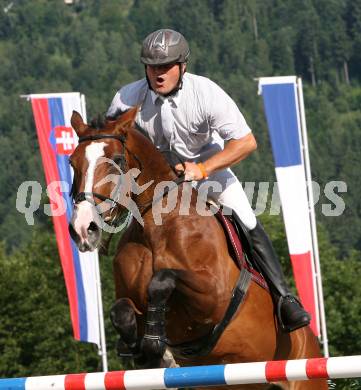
column 154, row 171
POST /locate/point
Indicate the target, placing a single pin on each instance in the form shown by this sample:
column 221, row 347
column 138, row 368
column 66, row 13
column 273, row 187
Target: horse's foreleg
column 123, row 318
column 160, row 289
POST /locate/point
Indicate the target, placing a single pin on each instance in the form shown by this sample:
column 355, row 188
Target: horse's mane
column 116, row 115
column 100, row 121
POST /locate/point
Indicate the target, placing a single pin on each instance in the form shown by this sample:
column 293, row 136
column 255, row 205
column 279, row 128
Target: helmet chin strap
column 178, row 86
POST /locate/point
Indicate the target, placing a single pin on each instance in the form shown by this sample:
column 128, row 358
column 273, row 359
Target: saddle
column 240, row 246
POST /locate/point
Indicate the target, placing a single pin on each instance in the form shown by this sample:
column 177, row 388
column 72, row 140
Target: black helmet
column 163, row 47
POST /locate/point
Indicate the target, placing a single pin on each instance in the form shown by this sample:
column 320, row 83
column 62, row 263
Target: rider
column 195, row 119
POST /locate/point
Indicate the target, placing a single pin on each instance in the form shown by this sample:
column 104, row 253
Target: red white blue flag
column 283, row 117
column 57, row 140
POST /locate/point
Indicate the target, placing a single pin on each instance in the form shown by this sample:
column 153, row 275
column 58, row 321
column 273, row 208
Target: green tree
column 353, row 21
column 35, row 328
column 334, row 42
column 93, row 47
column 342, row 292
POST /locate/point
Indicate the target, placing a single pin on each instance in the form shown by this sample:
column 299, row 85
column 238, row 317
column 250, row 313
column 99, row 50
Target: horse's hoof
column 153, row 346
column 126, row 351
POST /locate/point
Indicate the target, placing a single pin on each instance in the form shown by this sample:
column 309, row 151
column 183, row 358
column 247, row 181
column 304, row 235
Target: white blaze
column 85, row 211
column 92, row 153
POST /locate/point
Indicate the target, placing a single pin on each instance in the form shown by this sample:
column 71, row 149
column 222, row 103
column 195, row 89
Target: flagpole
column 101, row 342
column 315, row 249
column 102, row 347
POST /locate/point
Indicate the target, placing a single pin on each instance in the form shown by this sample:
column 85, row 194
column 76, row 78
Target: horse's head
column 104, row 171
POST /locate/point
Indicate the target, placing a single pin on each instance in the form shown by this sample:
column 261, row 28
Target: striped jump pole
column 229, row 374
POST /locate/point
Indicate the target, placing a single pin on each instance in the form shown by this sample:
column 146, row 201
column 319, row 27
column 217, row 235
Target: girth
column 204, row 345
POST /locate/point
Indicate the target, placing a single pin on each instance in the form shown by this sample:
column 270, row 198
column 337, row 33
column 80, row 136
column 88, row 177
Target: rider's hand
column 191, row 171
column 179, row 169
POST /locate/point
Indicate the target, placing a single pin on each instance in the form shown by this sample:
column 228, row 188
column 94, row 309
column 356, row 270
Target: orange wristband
column 203, row 170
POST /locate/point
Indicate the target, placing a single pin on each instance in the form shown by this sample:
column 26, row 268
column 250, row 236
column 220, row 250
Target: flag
column 282, row 109
column 57, row 140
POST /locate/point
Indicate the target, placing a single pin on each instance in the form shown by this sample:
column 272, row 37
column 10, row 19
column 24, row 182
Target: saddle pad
column 238, row 254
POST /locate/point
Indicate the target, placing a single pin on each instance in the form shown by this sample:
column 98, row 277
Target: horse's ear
column 127, row 119
column 77, row 122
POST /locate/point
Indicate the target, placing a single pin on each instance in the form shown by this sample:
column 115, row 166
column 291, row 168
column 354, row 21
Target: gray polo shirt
column 204, row 116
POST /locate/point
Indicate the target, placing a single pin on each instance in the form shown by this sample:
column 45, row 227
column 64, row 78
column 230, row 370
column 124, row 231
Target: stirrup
column 289, row 328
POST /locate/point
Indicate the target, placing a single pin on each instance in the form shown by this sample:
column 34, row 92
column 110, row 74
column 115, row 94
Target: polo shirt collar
column 175, row 99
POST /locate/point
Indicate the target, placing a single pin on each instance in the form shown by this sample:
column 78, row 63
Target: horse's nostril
column 92, row 227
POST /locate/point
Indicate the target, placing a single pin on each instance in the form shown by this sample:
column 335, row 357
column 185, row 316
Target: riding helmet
column 164, row 47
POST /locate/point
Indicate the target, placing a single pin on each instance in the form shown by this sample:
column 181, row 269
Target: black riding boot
column 291, row 315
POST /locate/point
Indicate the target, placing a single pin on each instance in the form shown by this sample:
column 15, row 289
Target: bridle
column 123, row 165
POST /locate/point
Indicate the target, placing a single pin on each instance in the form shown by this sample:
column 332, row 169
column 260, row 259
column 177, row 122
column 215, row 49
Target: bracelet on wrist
column 203, row 170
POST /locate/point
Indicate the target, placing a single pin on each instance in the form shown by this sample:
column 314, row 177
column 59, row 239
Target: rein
column 88, row 196
column 178, row 181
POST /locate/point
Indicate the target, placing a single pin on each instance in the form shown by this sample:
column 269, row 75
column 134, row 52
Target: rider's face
column 163, row 78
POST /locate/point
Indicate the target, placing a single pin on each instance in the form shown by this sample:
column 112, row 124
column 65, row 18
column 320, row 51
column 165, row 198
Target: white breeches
column 225, row 189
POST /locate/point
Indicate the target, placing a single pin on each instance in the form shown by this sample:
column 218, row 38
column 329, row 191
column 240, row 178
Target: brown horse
column 174, row 276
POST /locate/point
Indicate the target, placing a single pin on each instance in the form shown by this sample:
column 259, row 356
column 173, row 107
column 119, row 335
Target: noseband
column 89, row 196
